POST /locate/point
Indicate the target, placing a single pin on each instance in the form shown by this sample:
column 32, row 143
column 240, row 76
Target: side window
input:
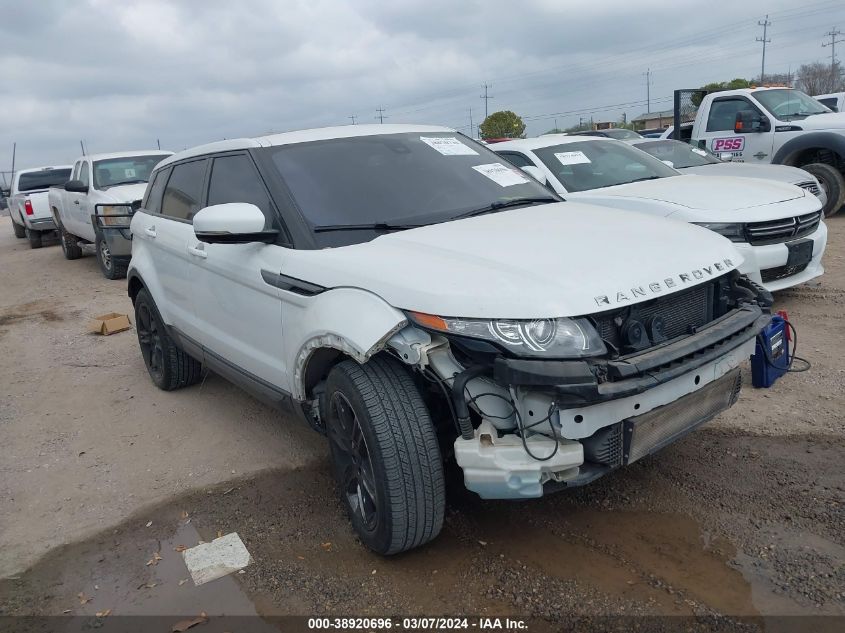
column 234, row 179
column 516, row 159
column 830, row 102
column 83, row 173
column 723, row 113
column 183, row 192
column 152, row 202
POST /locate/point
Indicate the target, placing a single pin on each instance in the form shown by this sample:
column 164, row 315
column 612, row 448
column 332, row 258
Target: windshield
column 35, row 180
column 587, row 165
column 789, row 104
column 681, row 155
column 398, row 179
column 122, row 171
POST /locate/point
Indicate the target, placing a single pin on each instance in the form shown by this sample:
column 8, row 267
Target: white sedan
column 777, row 227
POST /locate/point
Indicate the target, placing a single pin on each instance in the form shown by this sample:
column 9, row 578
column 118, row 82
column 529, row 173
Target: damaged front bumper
column 644, row 402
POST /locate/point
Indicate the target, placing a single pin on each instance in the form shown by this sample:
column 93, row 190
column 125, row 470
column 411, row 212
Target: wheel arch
column 134, row 285
column 796, row 152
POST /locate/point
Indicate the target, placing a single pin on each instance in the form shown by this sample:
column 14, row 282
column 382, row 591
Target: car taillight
column 27, row 206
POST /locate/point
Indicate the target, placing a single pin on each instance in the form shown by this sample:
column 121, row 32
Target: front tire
column 70, row 245
column 385, row 455
column 832, row 182
column 111, row 267
column 34, row 238
column 20, row 231
column 169, row 367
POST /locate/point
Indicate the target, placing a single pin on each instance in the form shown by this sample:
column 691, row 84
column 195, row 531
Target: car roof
column 142, row 152
column 549, row 140
column 304, row 136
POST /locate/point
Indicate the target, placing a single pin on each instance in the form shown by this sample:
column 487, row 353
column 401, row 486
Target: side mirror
column 76, row 186
column 750, row 121
column 232, row 223
column 536, row 173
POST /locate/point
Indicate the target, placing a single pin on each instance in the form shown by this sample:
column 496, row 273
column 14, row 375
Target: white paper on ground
column 500, row 174
column 214, row 560
column 572, row 158
column 448, row 146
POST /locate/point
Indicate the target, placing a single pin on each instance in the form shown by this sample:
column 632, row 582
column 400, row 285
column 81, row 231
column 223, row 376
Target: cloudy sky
column 121, row 75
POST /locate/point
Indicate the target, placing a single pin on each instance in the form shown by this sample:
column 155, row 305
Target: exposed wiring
column 515, row 413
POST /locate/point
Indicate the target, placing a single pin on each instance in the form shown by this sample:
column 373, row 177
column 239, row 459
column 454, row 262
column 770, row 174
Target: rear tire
column 833, row 182
column 385, row 455
column 70, row 245
column 34, row 238
column 111, row 267
column 19, row 230
column 169, row 367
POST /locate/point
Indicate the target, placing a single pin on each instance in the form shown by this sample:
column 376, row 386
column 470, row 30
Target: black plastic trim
column 291, row 284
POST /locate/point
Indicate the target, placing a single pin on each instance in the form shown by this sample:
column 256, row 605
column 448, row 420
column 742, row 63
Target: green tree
column 718, row 86
column 504, row 124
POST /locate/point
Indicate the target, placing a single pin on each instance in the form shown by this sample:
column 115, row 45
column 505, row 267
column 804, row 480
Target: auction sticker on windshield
column 501, row 175
column 449, row 146
column 572, row 158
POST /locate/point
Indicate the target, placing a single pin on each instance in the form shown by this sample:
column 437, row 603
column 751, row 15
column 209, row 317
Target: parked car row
column 535, row 315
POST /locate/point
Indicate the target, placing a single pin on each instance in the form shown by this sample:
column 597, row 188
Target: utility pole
column 580, row 122
column 353, row 118
column 470, row 124
column 158, row 142
column 647, row 74
column 556, row 130
column 14, row 150
column 380, row 116
column 832, row 43
column 765, row 24
column 486, row 98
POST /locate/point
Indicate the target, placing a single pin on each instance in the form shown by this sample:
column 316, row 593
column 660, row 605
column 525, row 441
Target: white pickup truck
column 781, row 126
column 27, row 200
column 102, row 185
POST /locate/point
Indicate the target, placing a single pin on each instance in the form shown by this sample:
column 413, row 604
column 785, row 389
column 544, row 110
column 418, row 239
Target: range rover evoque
column 419, row 300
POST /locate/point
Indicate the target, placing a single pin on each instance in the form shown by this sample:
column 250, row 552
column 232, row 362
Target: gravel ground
column 742, row 518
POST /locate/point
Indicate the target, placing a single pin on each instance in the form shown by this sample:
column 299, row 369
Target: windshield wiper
column 125, row 182
column 505, row 204
column 642, row 179
column 375, row 226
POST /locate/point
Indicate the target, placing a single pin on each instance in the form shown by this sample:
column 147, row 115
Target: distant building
column 661, row 120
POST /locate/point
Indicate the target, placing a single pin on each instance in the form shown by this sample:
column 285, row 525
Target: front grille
column 782, row 272
column 682, row 313
column 604, row 446
column 652, row 431
column 783, row 230
column 810, row 186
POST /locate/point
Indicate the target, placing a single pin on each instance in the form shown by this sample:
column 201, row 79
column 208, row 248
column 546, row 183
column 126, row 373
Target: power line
column 765, row 24
column 833, row 42
column 486, row 98
column 380, row 116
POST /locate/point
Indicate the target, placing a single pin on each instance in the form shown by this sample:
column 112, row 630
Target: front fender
column 353, row 321
column 814, row 140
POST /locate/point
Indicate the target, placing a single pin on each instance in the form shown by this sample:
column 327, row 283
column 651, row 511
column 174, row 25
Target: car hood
column 124, row 193
column 559, row 259
column 706, row 198
column 781, row 173
column 825, row 121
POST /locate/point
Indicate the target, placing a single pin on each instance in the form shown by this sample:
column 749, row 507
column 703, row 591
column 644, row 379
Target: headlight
column 117, row 209
column 556, row 338
column 734, row 232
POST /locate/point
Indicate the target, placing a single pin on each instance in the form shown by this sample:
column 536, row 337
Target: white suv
column 418, row 300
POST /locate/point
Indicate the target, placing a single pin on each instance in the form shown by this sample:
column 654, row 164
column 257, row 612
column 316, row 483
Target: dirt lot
column 99, row 470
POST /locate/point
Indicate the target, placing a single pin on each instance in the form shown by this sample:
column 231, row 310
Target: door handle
column 150, row 230
column 197, row 252
column 76, row 202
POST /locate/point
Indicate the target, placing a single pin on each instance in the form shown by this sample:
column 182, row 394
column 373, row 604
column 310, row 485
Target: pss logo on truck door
column 730, row 144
